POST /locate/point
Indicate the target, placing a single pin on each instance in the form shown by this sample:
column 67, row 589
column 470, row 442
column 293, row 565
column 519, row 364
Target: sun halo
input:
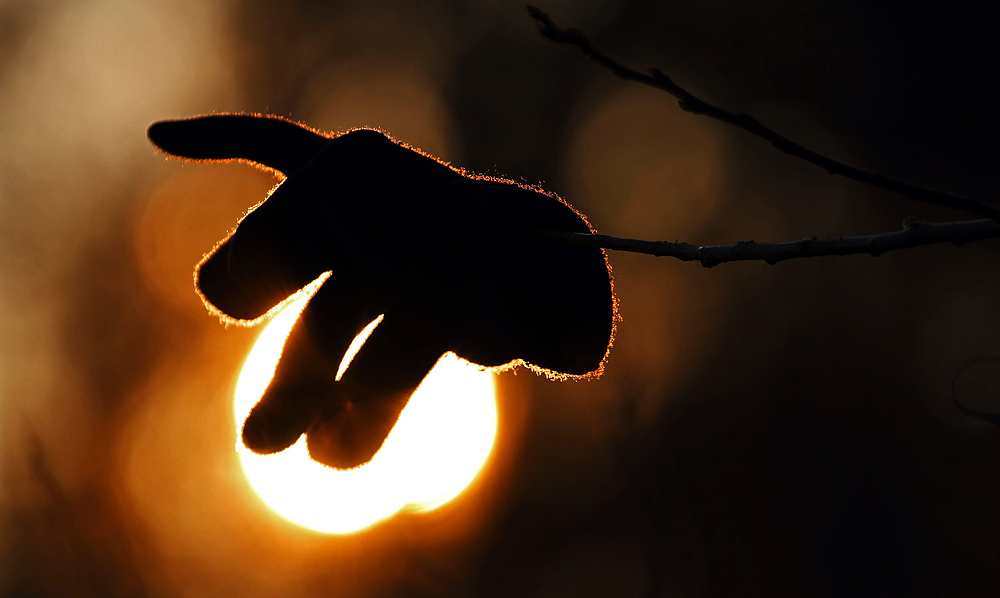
column 441, row 441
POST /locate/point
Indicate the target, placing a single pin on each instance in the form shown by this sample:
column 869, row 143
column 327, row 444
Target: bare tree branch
column 695, row 105
column 915, row 233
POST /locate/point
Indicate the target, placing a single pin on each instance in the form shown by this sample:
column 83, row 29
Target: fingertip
column 336, row 452
column 154, row 131
column 263, row 438
column 216, row 285
column 163, row 135
column 255, row 437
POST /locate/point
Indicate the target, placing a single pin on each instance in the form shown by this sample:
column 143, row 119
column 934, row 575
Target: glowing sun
column 439, row 444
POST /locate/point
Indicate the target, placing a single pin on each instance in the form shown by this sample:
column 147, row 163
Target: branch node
column 575, row 36
column 546, row 31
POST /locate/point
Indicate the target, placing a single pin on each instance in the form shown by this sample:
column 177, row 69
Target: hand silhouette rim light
column 322, row 143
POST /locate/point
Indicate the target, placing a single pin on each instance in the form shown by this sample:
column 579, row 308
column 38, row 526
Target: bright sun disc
column 439, row 444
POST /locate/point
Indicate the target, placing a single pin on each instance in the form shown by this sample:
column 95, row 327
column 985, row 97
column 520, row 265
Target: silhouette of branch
column 695, row 105
column 915, row 233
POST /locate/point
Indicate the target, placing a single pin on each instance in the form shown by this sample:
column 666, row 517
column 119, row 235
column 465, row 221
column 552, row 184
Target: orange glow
column 441, row 441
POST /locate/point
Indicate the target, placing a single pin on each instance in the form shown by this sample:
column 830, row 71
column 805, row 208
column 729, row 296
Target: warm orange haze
column 441, row 441
column 784, row 430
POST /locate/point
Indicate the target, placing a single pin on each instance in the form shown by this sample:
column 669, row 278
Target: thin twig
column 695, row 105
column 915, row 233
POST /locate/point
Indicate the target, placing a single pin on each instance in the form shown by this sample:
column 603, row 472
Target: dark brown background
column 760, row 430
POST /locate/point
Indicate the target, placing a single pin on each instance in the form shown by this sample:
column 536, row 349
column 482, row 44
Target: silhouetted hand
column 454, row 262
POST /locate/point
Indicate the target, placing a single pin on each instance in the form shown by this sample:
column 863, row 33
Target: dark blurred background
column 760, row 431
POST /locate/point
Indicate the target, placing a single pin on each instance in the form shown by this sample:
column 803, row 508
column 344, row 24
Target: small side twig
column 695, row 105
column 915, row 233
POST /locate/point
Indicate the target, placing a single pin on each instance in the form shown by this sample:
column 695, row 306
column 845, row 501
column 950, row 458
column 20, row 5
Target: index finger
column 269, row 141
